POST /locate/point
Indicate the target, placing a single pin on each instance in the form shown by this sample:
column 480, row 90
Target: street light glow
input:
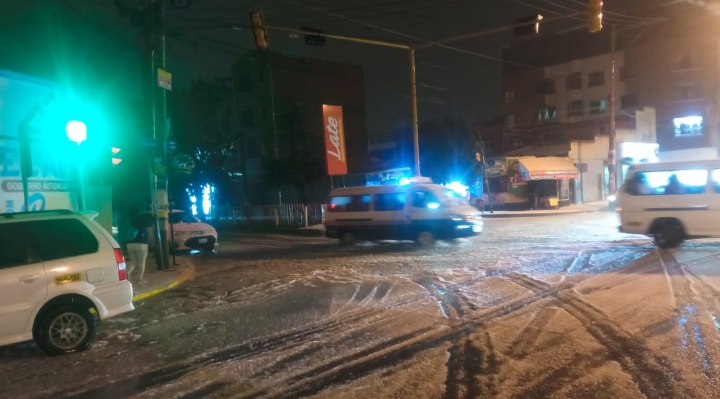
column 76, row 131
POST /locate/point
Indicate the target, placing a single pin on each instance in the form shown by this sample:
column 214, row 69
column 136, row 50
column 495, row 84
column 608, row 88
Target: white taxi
column 59, row 271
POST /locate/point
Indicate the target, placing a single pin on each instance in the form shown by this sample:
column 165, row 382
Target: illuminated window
column 547, row 112
column 688, row 126
column 669, row 182
column 597, row 106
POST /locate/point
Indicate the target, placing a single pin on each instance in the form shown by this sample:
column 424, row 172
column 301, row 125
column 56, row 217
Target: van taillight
column 120, row 259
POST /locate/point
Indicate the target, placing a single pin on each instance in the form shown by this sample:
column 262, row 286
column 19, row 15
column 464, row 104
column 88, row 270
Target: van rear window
column 349, row 203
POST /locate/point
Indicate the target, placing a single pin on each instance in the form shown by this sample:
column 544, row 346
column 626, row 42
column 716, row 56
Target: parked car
column 189, row 232
column 59, row 272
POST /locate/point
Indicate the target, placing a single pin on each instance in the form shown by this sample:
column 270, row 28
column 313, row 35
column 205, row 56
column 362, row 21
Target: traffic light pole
column 162, row 248
column 612, row 183
column 412, row 49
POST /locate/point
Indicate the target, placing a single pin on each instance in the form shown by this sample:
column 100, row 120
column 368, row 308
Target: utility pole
column 413, row 93
column 160, row 96
column 612, row 184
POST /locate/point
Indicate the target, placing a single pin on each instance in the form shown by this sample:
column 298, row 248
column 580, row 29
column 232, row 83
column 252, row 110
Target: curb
column 183, row 278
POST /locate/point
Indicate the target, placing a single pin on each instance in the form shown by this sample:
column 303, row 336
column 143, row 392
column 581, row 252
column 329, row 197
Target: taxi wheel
column 425, row 238
column 65, row 330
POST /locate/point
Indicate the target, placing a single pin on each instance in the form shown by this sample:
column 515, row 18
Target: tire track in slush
column 695, row 300
column 651, row 373
column 395, row 351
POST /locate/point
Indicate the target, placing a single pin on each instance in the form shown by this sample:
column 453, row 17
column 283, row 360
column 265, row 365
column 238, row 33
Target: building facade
column 279, row 101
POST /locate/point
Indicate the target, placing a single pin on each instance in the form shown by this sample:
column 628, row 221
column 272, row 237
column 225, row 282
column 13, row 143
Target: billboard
column 334, row 140
column 51, row 174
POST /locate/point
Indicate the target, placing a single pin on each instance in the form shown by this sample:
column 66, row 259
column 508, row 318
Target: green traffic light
column 76, row 131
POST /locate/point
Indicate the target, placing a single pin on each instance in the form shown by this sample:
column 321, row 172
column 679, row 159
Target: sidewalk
column 157, row 281
column 599, row 206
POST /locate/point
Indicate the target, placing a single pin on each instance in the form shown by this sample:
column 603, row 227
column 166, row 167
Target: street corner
column 160, row 281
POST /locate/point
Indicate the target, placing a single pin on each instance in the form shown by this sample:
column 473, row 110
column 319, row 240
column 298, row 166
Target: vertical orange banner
column 334, row 140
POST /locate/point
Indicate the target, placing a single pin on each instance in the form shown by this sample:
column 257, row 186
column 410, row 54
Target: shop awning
column 548, row 168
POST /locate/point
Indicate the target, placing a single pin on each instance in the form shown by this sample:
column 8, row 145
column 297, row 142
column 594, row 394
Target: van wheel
column 425, row 238
column 65, row 330
column 668, row 234
column 347, row 240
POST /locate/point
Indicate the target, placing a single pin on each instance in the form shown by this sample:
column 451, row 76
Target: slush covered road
column 559, row 306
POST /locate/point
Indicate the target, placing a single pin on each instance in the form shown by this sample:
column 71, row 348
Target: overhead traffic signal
column 527, row 28
column 116, row 158
column 258, row 26
column 595, row 16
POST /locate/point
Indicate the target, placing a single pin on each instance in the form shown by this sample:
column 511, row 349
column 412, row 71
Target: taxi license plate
column 68, row 278
column 203, row 241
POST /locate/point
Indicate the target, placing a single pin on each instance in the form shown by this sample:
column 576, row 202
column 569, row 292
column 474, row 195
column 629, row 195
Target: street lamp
column 77, row 133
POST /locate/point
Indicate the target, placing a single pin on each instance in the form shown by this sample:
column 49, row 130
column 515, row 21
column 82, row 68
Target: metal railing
column 297, row 215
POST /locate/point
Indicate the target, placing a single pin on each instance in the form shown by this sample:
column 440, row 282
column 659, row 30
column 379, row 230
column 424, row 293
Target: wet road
column 561, row 306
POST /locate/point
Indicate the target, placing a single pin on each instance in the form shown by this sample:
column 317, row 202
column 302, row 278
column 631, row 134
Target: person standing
column 138, row 249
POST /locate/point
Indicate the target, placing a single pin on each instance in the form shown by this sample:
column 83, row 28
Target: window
column 668, row 182
column 350, row 203
column 716, row 180
column 181, row 217
column 425, row 199
column 61, row 238
column 574, row 81
column 688, row 126
column 685, row 61
column 545, row 86
column 243, row 83
column 596, row 79
column 629, row 101
column 576, row 108
column 261, row 77
column 691, row 92
column 246, row 118
column 13, row 245
column 597, row 106
column 510, row 120
column 509, row 96
column 547, row 113
column 390, row 201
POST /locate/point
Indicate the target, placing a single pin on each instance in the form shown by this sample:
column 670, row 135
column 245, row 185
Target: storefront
column 530, row 182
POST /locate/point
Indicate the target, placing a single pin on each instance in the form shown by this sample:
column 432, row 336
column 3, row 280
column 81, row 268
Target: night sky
column 209, row 35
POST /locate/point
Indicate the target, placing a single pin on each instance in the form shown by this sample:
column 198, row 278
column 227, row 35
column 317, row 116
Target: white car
column 59, row 271
column 190, row 233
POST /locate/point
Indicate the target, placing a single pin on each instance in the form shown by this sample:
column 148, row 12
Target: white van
column 421, row 212
column 672, row 201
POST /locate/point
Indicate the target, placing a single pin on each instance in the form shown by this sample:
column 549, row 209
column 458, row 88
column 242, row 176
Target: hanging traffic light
column 115, row 158
column 595, row 16
column 528, row 29
column 258, row 26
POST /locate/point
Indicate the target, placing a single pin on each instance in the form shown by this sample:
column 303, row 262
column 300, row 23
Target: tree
column 447, row 150
column 203, row 124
